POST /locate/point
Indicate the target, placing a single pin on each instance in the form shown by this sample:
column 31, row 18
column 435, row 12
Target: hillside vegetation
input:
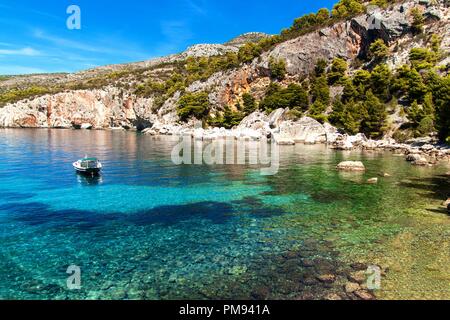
column 369, row 91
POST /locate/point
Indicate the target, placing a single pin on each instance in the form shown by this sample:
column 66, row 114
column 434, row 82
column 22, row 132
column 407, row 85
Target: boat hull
column 88, row 171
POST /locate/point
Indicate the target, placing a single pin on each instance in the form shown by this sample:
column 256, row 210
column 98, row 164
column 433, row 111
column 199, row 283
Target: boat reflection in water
column 89, row 179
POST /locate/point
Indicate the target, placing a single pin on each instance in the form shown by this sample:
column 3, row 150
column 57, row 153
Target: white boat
column 88, row 166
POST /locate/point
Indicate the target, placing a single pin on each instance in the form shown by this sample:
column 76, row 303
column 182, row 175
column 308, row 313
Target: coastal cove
column 149, row 229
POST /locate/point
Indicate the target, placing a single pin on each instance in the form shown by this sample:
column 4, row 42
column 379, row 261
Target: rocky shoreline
column 283, row 131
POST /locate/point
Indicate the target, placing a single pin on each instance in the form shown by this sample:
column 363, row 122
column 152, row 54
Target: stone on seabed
column 351, row 166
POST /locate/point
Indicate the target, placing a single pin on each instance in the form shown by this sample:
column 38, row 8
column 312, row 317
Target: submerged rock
column 422, row 161
column 447, row 205
column 351, row 287
column 351, row 166
column 333, row 297
column 364, row 295
column 327, row 278
column 372, row 181
column 86, row 126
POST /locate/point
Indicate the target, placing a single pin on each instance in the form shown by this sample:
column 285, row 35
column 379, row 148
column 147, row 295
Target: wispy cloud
column 197, row 6
column 175, row 34
column 105, row 45
column 30, row 52
column 63, row 42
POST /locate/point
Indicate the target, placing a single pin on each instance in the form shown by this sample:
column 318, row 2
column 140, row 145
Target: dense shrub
column 14, row 95
column 193, row 105
column 293, row 97
column 337, row 71
column 249, row 103
column 277, row 68
column 378, row 50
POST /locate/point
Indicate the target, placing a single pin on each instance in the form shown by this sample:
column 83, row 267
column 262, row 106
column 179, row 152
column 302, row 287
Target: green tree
column 277, row 68
column 426, row 126
column 337, row 115
column 231, row 119
column 415, row 113
column 362, row 78
column 297, row 96
column 347, row 8
column 428, row 105
column 249, row 51
column 422, row 58
column 378, row 50
column 435, row 43
column 440, row 87
column 374, row 123
column 249, row 103
column 418, row 20
column 337, row 71
column 350, row 91
column 317, row 111
column 416, row 87
column 193, row 105
column 381, row 78
column 320, row 90
column 322, row 15
column 320, row 67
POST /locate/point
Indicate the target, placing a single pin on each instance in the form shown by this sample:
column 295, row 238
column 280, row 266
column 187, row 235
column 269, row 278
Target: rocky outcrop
column 351, row 166
column 209, row 50
column 305, row 130
column 98, row 109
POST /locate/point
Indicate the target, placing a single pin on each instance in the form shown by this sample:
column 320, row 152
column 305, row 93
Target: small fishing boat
column 88, row 166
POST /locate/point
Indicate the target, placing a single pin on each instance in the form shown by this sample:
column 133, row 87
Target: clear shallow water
column 147, row 229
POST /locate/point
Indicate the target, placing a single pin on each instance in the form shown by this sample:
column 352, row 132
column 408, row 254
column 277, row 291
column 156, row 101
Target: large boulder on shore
column 351, row 166
column 305, row 130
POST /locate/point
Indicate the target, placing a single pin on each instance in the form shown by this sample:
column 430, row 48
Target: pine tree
column 378, row 50
column 336, row 117
column 337, row 71
column 249, row 103
column 277, row 68
column 298, row 97
column 350, row 92
column 373, row 125
column 381, row 78
column 317, row 111
column 415, row 113
column 320, row 90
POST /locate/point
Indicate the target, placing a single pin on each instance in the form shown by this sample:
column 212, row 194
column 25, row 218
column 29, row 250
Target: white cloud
column 62, row 42
column 197, row 7
column 30, row 52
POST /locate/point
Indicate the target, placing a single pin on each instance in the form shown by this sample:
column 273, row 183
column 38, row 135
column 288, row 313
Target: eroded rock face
column 99, row 109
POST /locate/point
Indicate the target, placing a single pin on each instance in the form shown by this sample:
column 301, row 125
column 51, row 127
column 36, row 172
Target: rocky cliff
column 111, row 102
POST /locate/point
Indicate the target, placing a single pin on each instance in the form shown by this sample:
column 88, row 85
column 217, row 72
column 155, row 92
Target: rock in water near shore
column 372, row 181
column 351, row 166
column 422, row 161
column 447, row 205
column 86, row 126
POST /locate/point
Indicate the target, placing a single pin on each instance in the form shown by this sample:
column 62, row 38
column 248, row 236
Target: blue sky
column 34, row 37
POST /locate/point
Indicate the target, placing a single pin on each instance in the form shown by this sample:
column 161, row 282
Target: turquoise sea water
column 148, row 229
